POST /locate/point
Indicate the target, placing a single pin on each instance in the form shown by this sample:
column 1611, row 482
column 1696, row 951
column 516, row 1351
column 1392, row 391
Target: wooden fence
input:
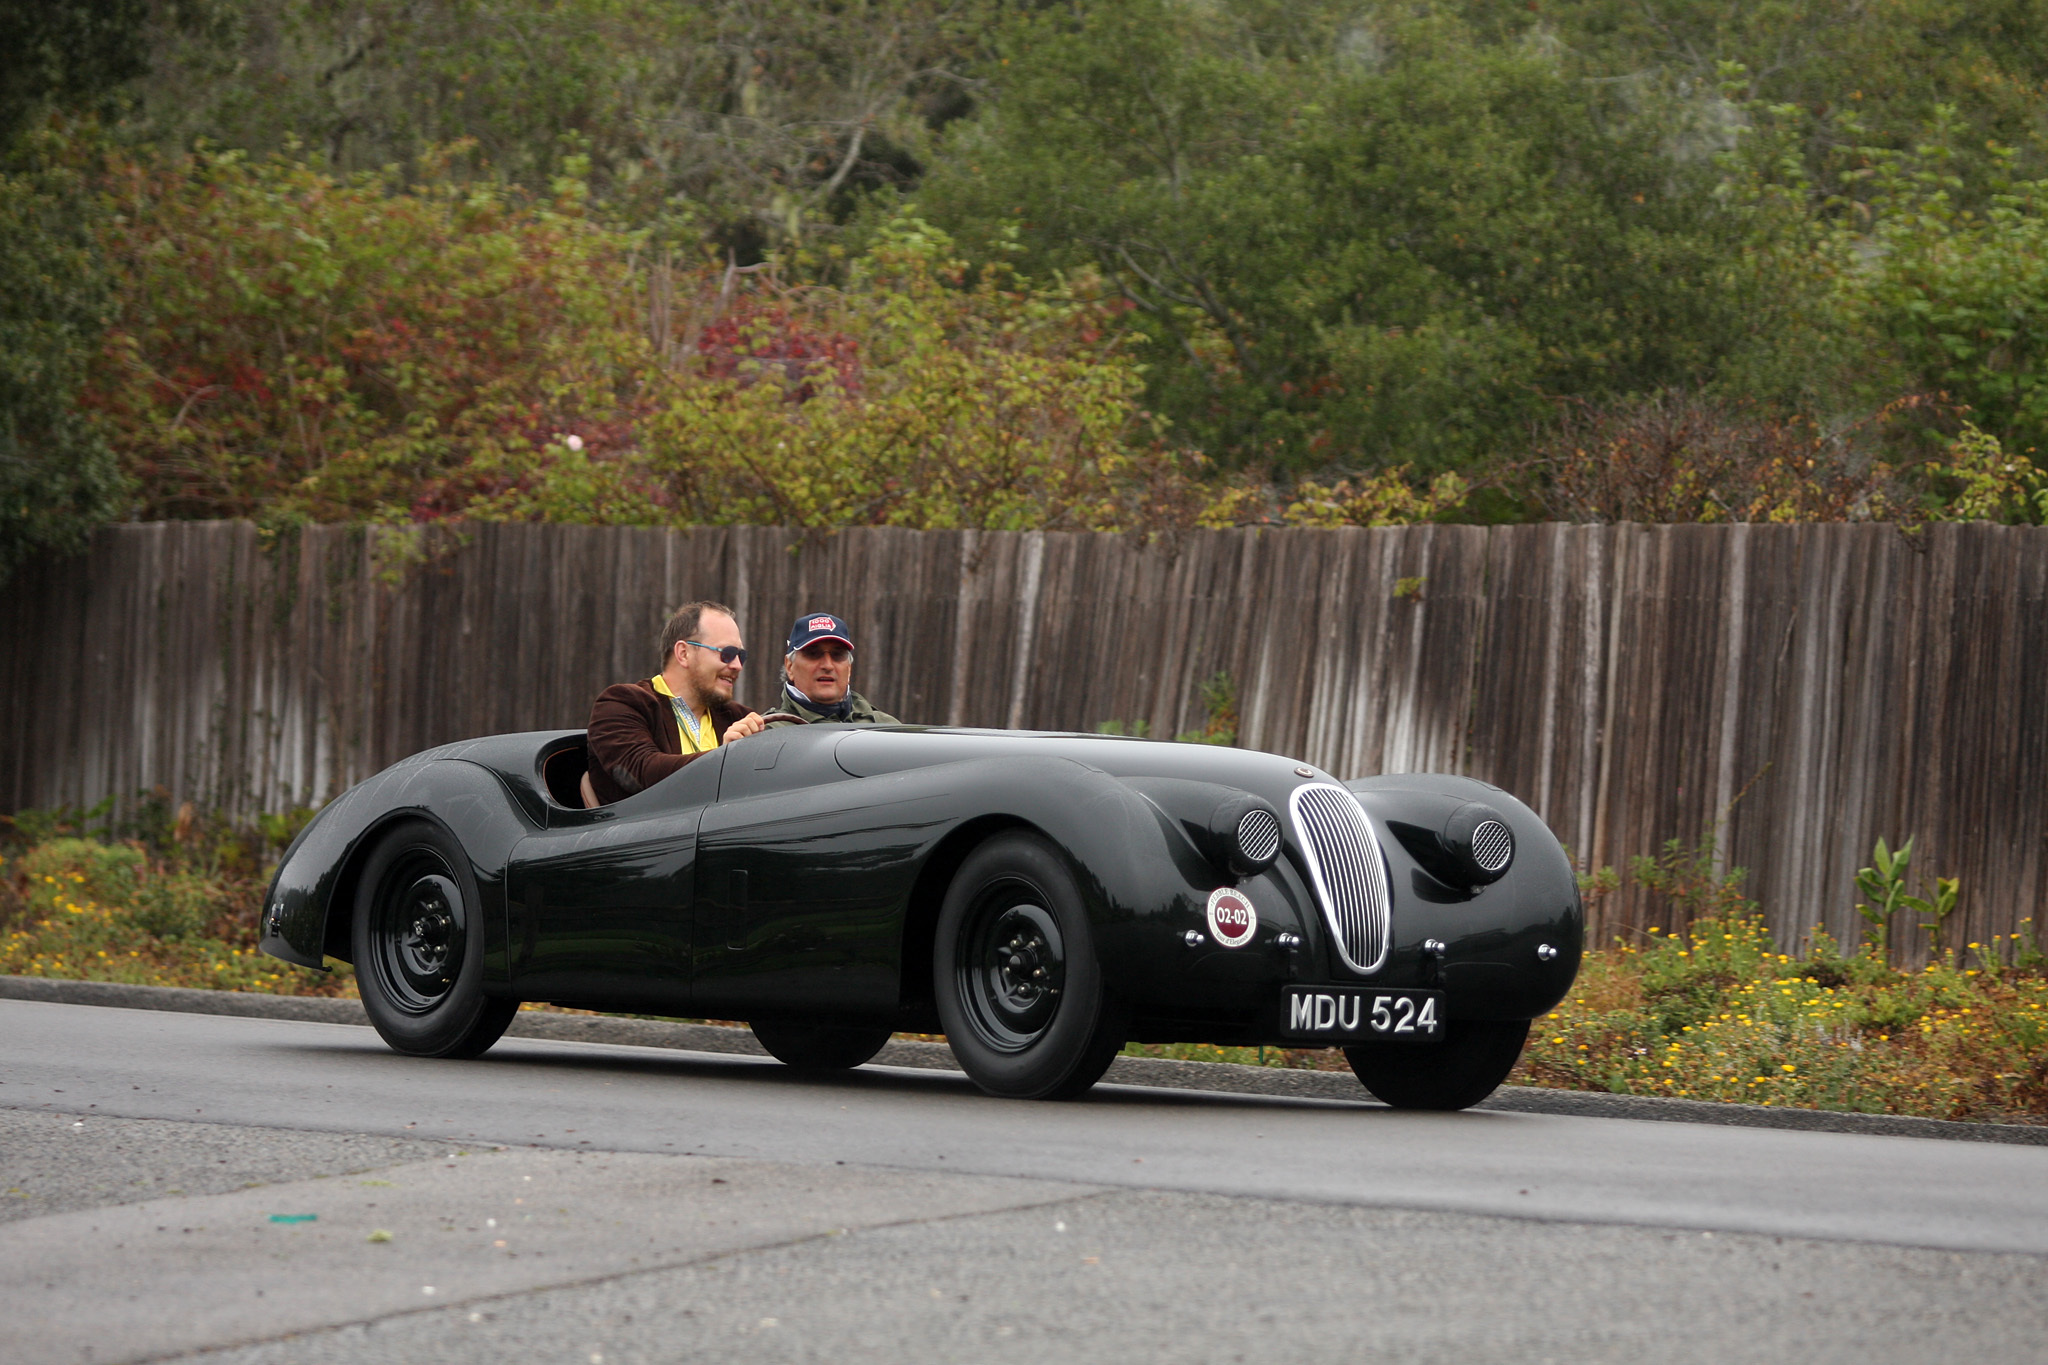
column 1796, row 690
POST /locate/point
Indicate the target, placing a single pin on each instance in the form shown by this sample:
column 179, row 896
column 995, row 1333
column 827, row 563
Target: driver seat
column 590, row 801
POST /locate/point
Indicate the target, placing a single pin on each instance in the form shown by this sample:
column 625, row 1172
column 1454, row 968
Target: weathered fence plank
column 1792, row 691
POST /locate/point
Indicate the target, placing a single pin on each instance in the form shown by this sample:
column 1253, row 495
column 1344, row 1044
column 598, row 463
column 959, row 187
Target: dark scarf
column 838, row 710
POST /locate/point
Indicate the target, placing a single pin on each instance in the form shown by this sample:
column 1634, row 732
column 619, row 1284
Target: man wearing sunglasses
column 817, row 675
column 640, row 732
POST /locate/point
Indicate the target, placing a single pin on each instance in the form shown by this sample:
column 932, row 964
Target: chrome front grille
column 1258, row 835
column 1345, row 864
column 1493, row 847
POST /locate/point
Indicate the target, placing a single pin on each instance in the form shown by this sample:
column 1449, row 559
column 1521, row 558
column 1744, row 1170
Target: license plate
column 1342, row 1014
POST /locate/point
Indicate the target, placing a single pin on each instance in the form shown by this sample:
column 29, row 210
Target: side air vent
column 1349, row 874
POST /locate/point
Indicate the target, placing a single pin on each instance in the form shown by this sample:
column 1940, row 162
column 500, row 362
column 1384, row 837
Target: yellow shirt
column 698, row 738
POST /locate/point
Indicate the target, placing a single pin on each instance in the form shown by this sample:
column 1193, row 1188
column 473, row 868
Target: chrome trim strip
column 1347, row 869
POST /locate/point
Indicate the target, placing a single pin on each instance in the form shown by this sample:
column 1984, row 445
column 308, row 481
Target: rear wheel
column 418, row 941
column 1018, row 985
column 816, row 1045
column 1474, row 1057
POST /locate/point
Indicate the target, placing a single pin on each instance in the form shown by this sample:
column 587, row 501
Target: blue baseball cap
column 808, row 630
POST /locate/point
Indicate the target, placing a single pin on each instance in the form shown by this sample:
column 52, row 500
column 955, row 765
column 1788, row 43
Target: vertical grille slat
column 1344, row 862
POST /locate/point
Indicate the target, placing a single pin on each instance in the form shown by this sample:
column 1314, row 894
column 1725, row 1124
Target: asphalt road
column 658, row 1205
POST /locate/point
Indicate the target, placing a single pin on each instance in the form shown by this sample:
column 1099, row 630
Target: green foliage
column 1978, row 481
column 293, row 345
column 1934, row 913
column 913, row 396
column 1684, row 874
column 1887, row 64
column 1685, row 457
column 58, row 479
column 66, row 54
column 1959, row 290
column 1452, row 260
column 1352, row 236
column 758, row 122
column 1718, row 1012
column 79, row 867
column 1219, row 703
column 35, row 825
column 1884, row 882
column 182, row 913
column 1383, row 499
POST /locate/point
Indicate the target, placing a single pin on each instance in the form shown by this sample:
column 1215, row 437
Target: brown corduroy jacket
column 633, row 738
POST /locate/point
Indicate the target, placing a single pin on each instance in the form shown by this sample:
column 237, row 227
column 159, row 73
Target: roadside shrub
column 83, row 910
column 73, row 868
column 1717, row 1013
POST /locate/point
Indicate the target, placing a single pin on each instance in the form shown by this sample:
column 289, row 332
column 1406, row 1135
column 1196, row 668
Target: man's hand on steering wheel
column 749, row 724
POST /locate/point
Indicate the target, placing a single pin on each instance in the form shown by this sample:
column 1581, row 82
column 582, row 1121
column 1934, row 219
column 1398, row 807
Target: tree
column 758, row 122
column 1352, row 237
column 58, row 479
column 70, row 54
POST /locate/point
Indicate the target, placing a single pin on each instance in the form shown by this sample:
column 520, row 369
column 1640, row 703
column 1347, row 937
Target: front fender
column 307, row 909
column 1143, row 882
column 1493, row 936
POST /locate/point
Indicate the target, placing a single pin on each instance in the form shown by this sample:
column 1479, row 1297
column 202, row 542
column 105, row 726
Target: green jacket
column 863, row 712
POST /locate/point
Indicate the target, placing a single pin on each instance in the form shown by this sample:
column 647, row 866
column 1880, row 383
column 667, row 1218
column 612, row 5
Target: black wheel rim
column 1011, row 967
column 418, row 936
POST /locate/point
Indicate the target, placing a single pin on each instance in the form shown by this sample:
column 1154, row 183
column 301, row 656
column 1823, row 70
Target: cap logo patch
column 1232, row 921
column 820, row 623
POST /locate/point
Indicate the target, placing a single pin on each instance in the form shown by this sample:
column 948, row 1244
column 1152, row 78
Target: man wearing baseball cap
column 817, row 675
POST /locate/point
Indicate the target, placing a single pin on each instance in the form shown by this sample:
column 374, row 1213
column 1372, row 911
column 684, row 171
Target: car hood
column 872, row 751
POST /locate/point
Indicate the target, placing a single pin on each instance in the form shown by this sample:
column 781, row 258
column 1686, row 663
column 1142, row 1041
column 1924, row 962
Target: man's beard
column 701, row 698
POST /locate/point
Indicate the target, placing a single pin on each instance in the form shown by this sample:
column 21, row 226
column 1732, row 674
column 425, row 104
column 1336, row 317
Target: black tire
column 1475, row 1056
column 419, row 946
column 1015, row 973
column 817, row 1045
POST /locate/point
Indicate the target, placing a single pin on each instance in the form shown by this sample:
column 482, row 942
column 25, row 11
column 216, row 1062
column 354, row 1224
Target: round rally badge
column 1232, row 921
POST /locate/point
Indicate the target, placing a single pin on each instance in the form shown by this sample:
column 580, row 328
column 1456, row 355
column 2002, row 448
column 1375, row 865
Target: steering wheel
column 774, row 716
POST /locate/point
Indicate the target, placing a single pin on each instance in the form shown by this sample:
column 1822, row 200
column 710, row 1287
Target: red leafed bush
column 1683, row 457
column 771, row 335
column 294, row 344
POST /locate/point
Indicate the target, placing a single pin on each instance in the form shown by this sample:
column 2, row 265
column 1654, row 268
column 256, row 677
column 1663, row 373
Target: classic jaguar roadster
column 1041, row 899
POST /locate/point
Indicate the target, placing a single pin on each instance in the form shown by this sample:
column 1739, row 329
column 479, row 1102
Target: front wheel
column 1474, row 1057
column 419, row 948
column 815, row 1045
column 1019, row 989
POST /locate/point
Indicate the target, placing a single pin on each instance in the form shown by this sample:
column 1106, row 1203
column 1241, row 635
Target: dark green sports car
column 1041, row 899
